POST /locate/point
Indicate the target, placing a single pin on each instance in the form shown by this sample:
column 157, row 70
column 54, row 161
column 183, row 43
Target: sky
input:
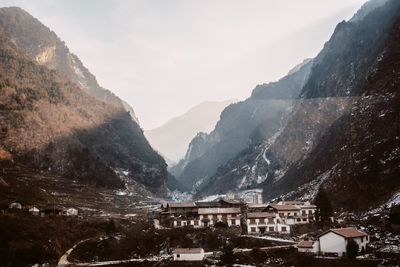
column 166, row 56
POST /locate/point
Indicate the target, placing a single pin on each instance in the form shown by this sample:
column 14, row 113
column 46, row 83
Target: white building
column 334, row 241
column 188, row 254
column 71, row 212
column 34, row 211
column 264, row 222
column 15, row 205
column 211, row 216
column 308, row 246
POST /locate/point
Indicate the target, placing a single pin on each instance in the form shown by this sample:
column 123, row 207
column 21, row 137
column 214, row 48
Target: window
column 304, row 219
column 362, row 239
column 233, row 215
column 295, row 213
column 196, row 222
column 252, row 221
column 283, row 228
column 298, row 219
column 233, row 222
column 253, row 229
column 262, row 221
column 178, row 223
column 303, row 212
column 178, row 255
column 271, row 229
column 270, row 220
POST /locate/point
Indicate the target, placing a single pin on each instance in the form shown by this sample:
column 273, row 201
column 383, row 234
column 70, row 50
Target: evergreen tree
column 351, row 249
column 324, row 207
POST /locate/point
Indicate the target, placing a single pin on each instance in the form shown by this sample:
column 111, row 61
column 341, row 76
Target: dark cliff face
column 359, row 155
column 342, row 133
column 243, row 124
column 44, row 47
column 49, row 123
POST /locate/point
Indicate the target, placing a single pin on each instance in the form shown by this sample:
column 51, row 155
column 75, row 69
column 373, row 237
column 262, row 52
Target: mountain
column 172, row 138
column 241, row 125
column 44, row 47
column 342, row 133
column 54, row 125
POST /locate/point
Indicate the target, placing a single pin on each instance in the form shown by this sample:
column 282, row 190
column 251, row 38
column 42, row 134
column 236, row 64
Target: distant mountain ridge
column 172, row 138
column 241, row 124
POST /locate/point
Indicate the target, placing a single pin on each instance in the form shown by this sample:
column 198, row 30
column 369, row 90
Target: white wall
column 332, row 243
column 189, row 257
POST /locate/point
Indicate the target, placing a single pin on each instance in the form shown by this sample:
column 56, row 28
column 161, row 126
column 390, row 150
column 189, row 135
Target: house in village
column 188, row 254
column 308, row 247
column 334, row 241
column 263, row 222
column 15, row 205
column 200, row 214
column 71, row 212
column 229, row 216
column 278, row 217
column 34, row 210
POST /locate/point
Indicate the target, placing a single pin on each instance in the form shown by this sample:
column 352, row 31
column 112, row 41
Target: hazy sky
column 165, row 56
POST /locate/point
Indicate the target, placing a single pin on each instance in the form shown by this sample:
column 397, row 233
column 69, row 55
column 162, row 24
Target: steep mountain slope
column 172, row 138
column 50, row 124
column 360, row 151
column 336, row 136
column 45, row 47
column 241, row 124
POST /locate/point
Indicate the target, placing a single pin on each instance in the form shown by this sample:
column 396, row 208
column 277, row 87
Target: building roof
column 207, row 204
column 293, row 203
column 255, row 206
column 218, row 210
column 284, row 207
column 307, row 206
column 349, row 232
column 260, row 215
column 305, row 244
column 188, row 250
column 181, row 204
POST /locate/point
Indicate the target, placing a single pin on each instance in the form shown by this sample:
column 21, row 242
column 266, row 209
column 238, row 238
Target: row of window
column 197, row 222
column 262, row 221
column 270, row 229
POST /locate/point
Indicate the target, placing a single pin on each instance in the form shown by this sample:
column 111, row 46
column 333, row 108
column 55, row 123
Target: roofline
column 331, row 230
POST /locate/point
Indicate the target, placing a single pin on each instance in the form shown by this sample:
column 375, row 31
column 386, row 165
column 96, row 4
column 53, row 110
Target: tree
column 351, row 249
column 324, row 207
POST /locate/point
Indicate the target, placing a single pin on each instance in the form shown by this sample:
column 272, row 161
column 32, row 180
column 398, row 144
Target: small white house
column 308, row 246
column 34, row 211
column 334, row 241
column 15, row 205
column 188, row 254
column 71, row 212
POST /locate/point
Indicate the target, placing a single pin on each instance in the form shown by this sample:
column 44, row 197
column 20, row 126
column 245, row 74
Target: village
column 228, row 230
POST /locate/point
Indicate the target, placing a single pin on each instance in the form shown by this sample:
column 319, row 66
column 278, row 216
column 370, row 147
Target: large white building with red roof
column 334, row 241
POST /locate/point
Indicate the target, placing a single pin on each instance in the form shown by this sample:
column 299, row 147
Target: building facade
column 188, row 254
column 334, row 241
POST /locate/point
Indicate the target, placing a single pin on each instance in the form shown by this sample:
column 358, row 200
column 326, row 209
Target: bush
column 351, row 249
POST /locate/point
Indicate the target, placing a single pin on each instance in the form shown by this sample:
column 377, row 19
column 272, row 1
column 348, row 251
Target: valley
column 303, row 172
